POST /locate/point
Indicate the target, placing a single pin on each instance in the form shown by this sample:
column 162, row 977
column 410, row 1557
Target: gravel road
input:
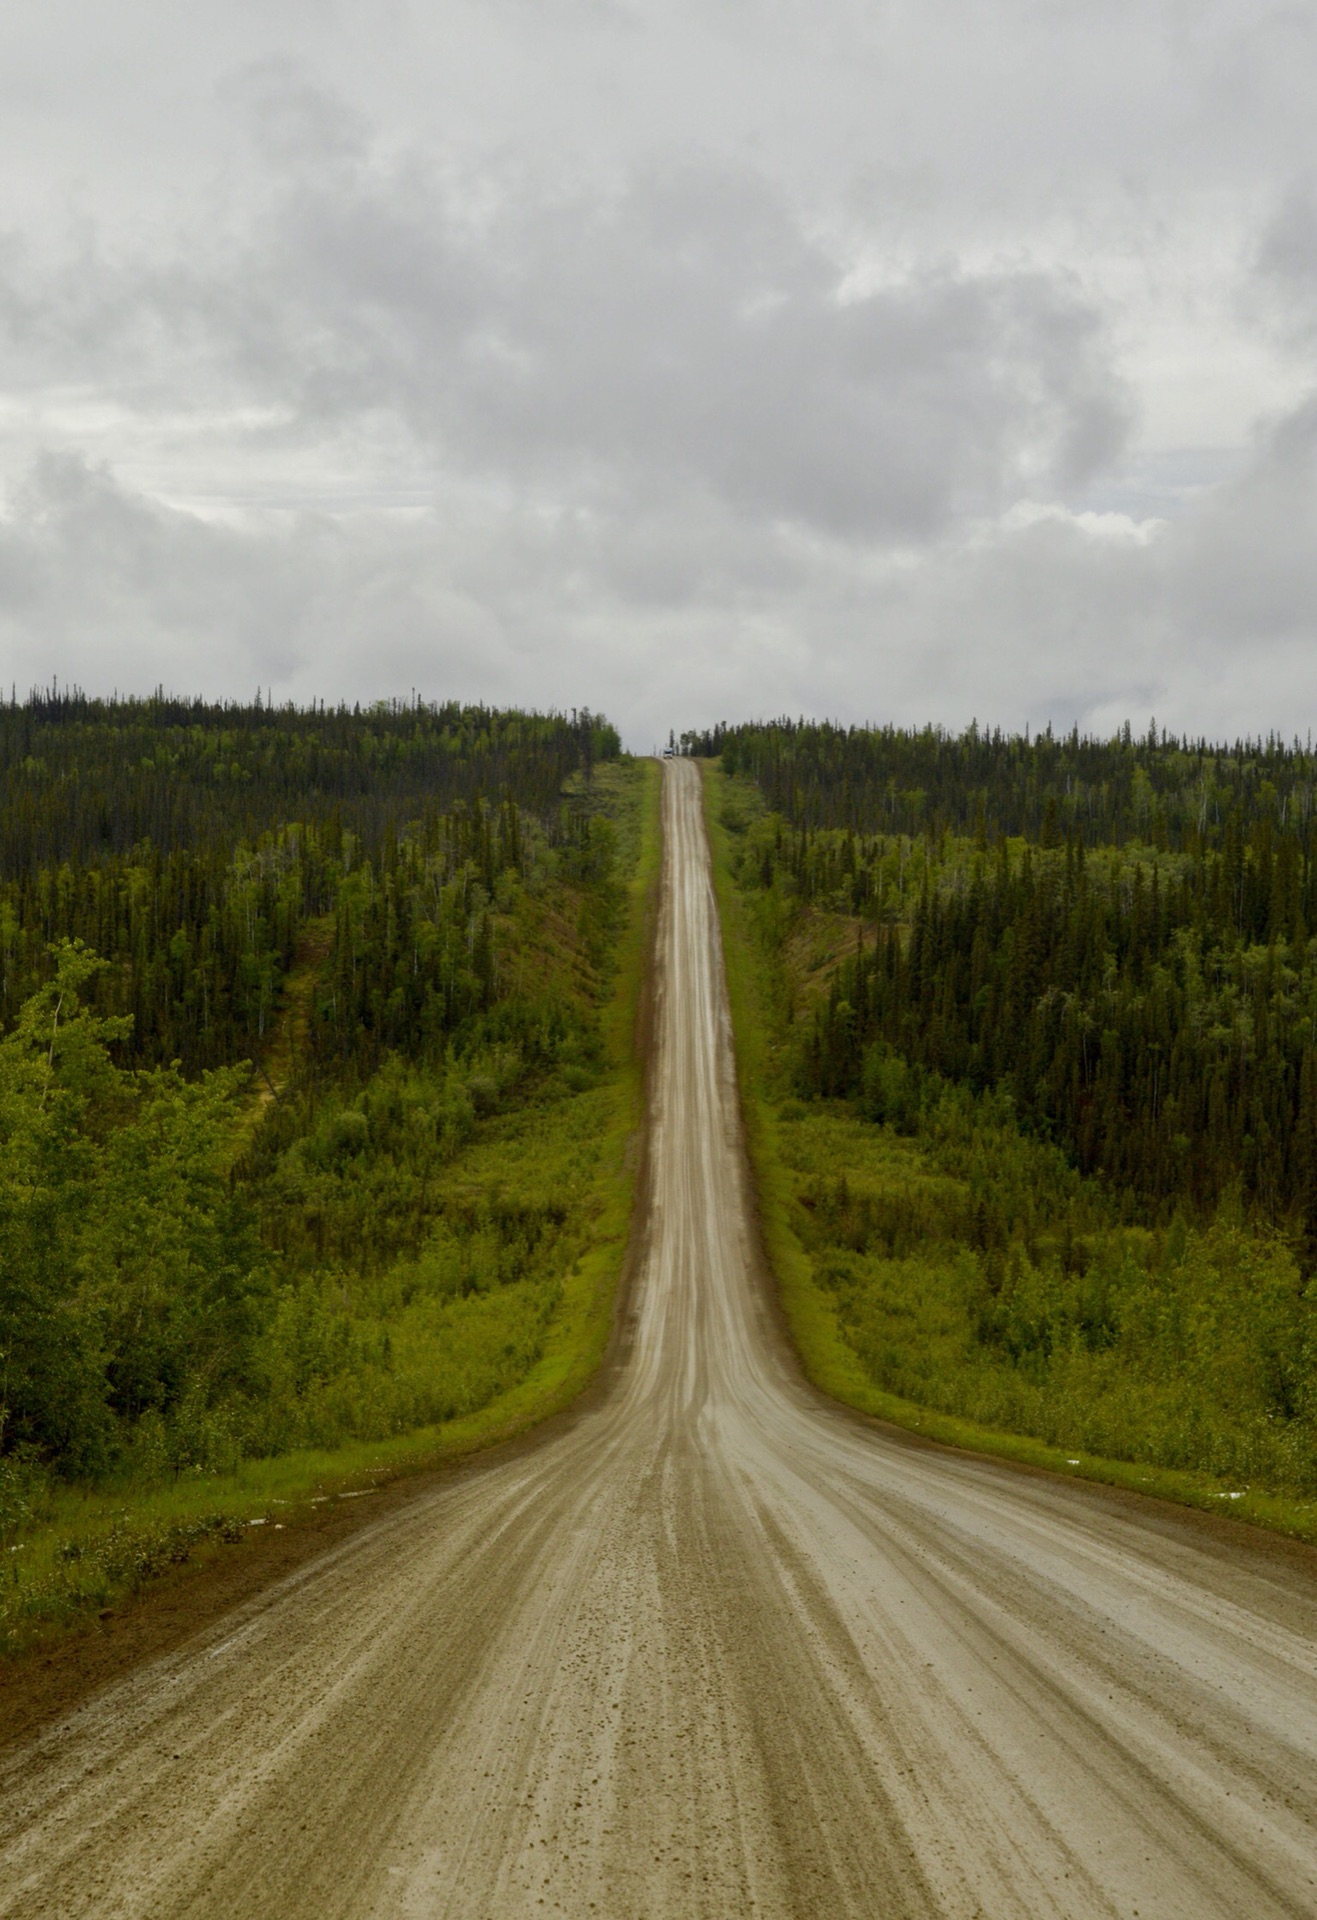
column 713, row 1649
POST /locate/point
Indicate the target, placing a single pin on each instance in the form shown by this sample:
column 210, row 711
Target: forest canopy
column 1041, row 1061
column 1120, row 935
column 262, row 973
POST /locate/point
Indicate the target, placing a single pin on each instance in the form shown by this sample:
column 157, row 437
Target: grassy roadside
column 95, row 1546
column 830, row 1362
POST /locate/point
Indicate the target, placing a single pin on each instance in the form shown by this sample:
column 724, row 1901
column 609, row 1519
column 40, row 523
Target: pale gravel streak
column 717, row 1649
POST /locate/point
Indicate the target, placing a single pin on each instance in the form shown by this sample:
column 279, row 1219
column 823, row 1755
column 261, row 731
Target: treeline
column 1048, row 1110
column 415, row 908
column 1124, row 1013
column 1159, row 790
column 1151, row 1010
column 187, row 844
column 81, row 779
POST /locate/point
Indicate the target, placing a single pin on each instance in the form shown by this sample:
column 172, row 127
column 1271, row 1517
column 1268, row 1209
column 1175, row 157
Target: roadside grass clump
column 1188, row 1349
column 459, row 1317
column 84, row 1572
column 25, row 1489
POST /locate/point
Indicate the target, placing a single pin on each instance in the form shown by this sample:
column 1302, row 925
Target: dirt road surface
column 716, row 1649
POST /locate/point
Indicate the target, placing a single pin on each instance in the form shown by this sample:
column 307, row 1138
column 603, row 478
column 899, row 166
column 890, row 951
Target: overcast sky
column 712, row 358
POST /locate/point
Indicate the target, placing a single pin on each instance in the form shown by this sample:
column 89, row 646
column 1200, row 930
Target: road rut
column 716, row 1649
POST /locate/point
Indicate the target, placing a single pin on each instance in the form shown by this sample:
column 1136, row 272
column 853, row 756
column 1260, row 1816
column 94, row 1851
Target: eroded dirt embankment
column 710, row 1648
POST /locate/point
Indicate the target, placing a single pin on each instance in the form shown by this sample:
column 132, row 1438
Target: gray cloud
column 678, row 360
column 294, row 122
column 685, row 608
column 1287, row 258
column 1245, row 566
column 683, row 331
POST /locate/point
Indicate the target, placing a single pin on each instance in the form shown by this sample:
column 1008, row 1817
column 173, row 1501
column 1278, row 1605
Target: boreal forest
column 1061, row 995
column 300, row 1070
column 314, row 1111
